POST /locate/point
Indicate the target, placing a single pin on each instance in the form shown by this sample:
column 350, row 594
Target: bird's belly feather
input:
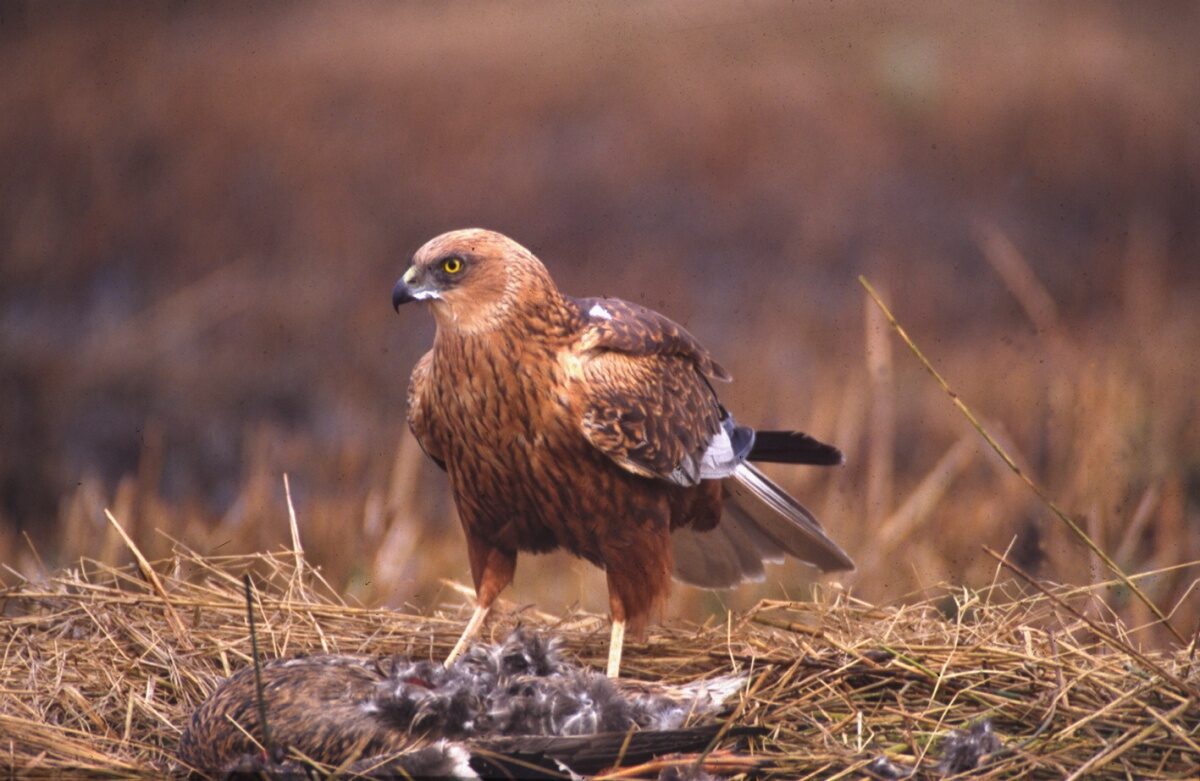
column 536, row 497
column 523, row 475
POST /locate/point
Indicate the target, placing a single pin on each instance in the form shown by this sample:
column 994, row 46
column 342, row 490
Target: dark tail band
column 793, row 447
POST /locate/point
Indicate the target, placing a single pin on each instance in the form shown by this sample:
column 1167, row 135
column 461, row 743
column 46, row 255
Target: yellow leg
column 469, row 633
column 615, row 644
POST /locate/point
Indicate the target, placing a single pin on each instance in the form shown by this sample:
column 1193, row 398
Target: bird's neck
column 544, row 315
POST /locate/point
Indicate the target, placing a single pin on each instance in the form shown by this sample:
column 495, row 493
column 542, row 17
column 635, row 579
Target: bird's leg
column 621, row 618
column 492, row 571
column 477, row 618
column 638, row 580
column 615, row 644
column 638, row 569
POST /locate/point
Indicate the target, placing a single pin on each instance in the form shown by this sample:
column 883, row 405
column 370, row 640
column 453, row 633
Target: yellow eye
column 452, row 265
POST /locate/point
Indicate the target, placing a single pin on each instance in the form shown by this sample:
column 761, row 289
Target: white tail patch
column 718, row 460
column 599, row 311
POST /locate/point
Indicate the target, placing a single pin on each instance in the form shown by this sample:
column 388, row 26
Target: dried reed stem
column 150, row 575
column 297, row 548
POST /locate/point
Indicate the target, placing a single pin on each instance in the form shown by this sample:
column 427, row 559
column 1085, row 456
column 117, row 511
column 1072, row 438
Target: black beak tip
column 401, row 295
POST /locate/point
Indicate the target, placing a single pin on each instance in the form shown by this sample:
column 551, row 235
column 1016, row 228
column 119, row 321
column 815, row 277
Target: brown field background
column 204, row 207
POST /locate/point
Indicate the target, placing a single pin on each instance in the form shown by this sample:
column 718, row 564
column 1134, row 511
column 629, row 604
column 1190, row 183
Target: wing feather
column 644, row 396
column 628, row 328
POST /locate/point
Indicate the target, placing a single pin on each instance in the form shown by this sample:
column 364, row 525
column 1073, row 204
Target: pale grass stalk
column 1138, row 523
column 916, row 509
column 150, row 575
column 1019, row 277
column 881, row 439
column 848, row 428
column 294, row 526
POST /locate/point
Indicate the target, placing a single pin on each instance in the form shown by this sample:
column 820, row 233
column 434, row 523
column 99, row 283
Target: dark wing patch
column 420, row 421
column 613, row 324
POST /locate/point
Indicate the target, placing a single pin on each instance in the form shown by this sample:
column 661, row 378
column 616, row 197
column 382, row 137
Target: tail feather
column 741, row 539
column 793, row 447
column 705, row 559
column 760, row 523
column 781, row 517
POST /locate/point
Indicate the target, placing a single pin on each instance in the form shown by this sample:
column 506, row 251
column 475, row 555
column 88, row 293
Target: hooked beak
column 404, row 292
column 401, row 294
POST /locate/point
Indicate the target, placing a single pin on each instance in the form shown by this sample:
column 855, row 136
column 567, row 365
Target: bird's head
column 473, row 278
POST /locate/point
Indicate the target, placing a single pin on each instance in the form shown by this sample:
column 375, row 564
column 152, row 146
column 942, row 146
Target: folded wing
column 647, row 403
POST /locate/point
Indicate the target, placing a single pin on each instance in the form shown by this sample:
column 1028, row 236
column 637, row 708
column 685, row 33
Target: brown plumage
column 498, row 711
column 314, row 703
column 591, row 425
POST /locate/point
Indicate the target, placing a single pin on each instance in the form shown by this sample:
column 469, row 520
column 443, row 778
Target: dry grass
column 97, row 676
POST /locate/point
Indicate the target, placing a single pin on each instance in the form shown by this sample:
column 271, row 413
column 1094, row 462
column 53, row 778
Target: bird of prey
column 591, row 424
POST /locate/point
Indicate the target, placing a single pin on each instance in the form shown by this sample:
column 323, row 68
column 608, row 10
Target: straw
column 93, row 679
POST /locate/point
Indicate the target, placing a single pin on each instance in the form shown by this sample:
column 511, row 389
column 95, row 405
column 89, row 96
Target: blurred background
column 204, row 208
